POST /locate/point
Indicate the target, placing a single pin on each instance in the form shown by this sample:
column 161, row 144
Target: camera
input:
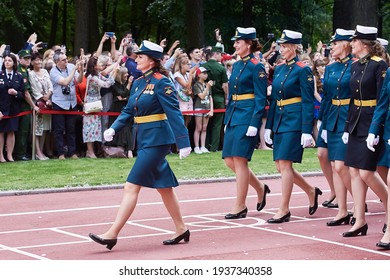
column 66, row 90
column 270, row 35
column 43, row 45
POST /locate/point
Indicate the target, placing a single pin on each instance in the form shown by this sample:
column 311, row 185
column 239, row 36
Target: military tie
column 9, row 76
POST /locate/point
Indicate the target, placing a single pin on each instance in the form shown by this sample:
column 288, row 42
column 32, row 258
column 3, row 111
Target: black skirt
column 359, row 156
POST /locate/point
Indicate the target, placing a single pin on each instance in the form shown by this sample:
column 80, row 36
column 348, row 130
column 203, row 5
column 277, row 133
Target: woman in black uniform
column 367, row 75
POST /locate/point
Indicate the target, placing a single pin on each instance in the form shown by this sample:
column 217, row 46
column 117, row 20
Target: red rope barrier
column 54, row 112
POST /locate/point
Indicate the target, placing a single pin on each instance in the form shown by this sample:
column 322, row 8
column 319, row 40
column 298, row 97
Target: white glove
column 345, row 137
column 319, row 125
column 224, row 129
column 184, row 152
column 324, row 135
column 267, row 136
column 252, row 131
column 372, row 141
column 109, row 134
column 306, row 140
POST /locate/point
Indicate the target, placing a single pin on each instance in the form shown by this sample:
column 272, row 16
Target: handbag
column 114, row 152
column 43, row 105
column 183, row 96
column 91, row 107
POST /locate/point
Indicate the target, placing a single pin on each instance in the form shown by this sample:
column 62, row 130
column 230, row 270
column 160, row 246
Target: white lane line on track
column 18, row 251
column 146, row 204
column 69, row 233
column 378, row 252
column 207, row 217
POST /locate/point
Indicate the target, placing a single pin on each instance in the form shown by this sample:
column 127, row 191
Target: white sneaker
column 197, row 150
column 204, row 150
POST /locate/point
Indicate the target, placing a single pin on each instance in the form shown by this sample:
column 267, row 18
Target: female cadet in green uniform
column 382, row 117
column 158, row 123
column 337, row 94
column 291, row 120
column 245, row 108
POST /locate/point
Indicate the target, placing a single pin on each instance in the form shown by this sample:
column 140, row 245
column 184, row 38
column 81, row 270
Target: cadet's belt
column 237, row 97
column 340, row 102
column 284, row 102
column 365, row 103
column 150, row 118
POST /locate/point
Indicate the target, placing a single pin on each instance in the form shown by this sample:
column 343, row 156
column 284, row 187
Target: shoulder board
column 300, row 64
column 376, row 58
column 158, row 76
column 254, row 60
column 354, row 60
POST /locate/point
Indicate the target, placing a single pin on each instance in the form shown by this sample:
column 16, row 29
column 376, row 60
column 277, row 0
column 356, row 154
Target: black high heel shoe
column 262, row 204
column 344, row 220
column 239, row 215
column 327, row 202
column 383, row 245
column 353, row 221
column 173, row 241
column 313, row 209
column 280, row 220
column 384, row 228
column 109, row 242
column 362, row 230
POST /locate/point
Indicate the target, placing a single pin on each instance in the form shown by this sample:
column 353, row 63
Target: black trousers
column 64, row 129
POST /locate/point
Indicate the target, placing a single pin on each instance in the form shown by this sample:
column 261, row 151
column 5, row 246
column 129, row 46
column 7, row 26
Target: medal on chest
column 149, row 89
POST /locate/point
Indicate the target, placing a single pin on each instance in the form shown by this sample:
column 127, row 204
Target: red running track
column 55, row 226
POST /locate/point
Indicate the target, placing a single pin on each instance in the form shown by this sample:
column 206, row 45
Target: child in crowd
column 203, row 101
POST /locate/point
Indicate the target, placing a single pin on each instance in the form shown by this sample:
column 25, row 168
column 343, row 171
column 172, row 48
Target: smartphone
column 110, row 34
column 7, row 50
column 43, row 45
column 270, row 35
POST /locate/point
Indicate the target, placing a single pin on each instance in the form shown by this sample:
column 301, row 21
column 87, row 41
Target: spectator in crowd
column 22, row 136
column 47, row 60
column 106, row 62
column 81, row 87
column 41, row 90
column 121, row 93
column 92, row 124
column 64, row 77
column 11, row 94
column 305, row 58
column 195, row 56
column 318, row 70
column 290, row 118
column 183, row 75
column 219, row 90
column 130, row 63
column 366, row 83
column 245, row 107
column 203, row 101
column 152, row 101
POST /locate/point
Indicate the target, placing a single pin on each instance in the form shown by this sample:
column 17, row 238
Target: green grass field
column 103, row 171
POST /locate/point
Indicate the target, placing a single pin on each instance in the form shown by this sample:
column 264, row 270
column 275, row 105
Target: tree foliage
column 81, row 23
